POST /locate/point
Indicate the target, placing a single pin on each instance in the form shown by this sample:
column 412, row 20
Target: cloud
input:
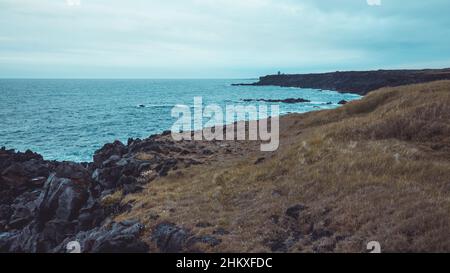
column 374, row 2
column 217, row 38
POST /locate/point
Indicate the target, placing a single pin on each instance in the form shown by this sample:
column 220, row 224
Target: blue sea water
column 70, row 119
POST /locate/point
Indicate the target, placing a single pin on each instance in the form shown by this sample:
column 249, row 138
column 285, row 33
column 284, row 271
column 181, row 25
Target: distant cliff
column 359, row 82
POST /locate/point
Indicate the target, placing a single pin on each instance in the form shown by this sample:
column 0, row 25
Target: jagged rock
column 108, row 150
column 131, row 168
column 129, row 184
column 5, row 212
column 90, row 218
column 107, row 177
column 92, row 214
column 25, row 240
column 131, row 188
column 342, row 102
column 289, row 100
column 144, row 167
column 170, row 238
column 54, row 232
column 146, row 146
column 73, row 171
column 111, row 161
column 130, row 141
column 62, row 198
column 7, row 157
column 120, row 237
column 23, row 210
column 19, row 176
column 127, row 180
column 44, row 202
column 164, row 168
column 6, row 239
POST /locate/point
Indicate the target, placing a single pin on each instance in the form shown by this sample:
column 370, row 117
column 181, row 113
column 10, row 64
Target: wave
column 155, row 105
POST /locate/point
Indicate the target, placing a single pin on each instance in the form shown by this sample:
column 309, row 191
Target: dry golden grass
column 112, row 199
column 375, row 169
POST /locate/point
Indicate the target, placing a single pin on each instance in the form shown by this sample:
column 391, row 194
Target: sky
column 218, row 38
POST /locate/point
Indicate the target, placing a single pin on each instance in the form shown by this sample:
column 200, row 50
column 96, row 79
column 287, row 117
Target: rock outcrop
column 43, row 202
column 46, row 204
column 359, row 82
column 289, row 100
column 123, row 237
column 170, row 238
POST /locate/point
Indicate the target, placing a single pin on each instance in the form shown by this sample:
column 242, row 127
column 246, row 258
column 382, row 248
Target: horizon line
column 119, row 78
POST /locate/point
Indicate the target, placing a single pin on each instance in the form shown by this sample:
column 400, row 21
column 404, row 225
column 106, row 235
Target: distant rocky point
column 358, row 82
column 290, row 100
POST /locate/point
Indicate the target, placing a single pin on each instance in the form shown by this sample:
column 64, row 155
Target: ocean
column 70, row 119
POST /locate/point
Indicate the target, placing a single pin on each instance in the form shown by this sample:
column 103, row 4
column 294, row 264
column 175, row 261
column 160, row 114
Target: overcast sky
column 218, row 38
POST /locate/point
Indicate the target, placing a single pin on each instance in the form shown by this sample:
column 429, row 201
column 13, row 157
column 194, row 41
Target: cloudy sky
column 218, row 38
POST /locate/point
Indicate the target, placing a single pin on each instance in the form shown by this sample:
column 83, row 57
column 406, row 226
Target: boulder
column 107, row 178
column 7, row 157
column 92, row 214
column 23, row 210
column 170, row 238
column 61, row 199
column 23, row 241
column 108, row 150
column 6, row 240
column 21, row 176
column 72, row 171
column 120, row 237
column 111, row 161
column 5, row 212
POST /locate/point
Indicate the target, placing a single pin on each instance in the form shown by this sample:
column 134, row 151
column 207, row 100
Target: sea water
column 70, row 119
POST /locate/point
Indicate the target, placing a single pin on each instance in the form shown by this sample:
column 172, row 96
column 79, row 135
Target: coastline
column 103, row 198
column 357, row 82
column 105, row 111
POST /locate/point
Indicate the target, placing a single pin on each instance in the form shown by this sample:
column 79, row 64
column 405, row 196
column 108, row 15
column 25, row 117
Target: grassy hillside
column 375, row 169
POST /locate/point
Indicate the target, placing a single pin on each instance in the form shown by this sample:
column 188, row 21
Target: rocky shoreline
column 44, row 205
column 289, row 100
column 358, row 82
